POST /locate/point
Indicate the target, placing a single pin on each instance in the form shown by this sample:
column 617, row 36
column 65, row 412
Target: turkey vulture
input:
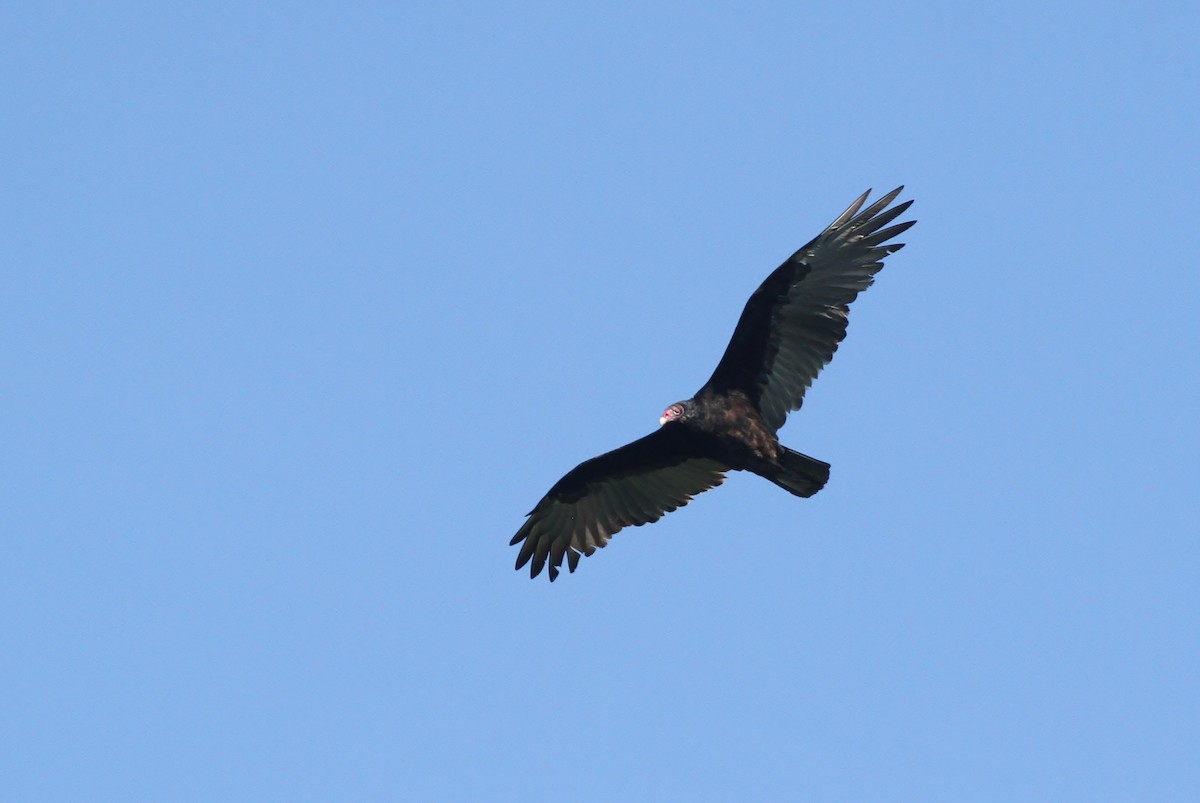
column 787, row 333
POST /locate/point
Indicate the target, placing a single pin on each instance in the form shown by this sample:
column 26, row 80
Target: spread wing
column 630, row 486
column 795, row 320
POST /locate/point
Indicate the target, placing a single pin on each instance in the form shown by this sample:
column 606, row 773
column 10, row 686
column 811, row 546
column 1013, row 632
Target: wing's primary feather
column 630, row 486
column 794, row 321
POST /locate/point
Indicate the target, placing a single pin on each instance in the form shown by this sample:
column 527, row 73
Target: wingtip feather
column 851, row 210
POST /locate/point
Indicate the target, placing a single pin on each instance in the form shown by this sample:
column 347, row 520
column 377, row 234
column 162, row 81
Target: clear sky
column 304, row 307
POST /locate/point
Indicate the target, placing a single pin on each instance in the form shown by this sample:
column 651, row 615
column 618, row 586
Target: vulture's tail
column 799, row 473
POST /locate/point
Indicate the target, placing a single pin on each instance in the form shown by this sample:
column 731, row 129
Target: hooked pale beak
column 662, row 420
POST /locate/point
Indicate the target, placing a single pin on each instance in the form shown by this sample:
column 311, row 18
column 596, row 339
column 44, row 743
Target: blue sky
column 303, row 308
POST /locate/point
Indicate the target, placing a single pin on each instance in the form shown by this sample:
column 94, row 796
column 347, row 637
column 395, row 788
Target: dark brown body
column 735, row 433
column 736, row 422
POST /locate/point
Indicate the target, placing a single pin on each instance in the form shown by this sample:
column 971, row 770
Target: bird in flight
column 788, row 332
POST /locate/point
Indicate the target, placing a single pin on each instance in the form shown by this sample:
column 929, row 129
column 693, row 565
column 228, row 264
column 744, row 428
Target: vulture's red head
column 676, row 410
